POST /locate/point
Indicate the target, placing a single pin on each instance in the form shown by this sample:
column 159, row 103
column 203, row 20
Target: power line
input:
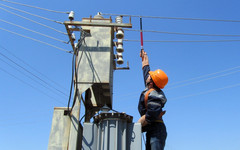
column 185, row 84
column 203, row 80
column 187, row 41
column 173, row 18
column 34, row 31
column 35, row 7
column 182, row 33
column 30, row 66
column 33, row 21
column 37, row 40
column 30, row 85
column 206, row 75
column 206, row 92
column 30, row 74
column 32, row 14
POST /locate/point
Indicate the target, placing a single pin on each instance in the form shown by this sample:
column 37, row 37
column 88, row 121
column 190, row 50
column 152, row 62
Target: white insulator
column 120, row 41
column 71, row 15
column 118, row 19
column 119, row 48
column 120, row 33
column 73, row 37
column 75, row 45
column 120, row 60
column 99, row 15
column 119, row 54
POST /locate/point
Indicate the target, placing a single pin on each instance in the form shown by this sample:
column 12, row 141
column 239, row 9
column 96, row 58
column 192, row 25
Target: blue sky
column 203, row 90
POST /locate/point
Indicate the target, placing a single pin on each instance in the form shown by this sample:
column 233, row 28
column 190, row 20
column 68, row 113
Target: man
column 150, row 105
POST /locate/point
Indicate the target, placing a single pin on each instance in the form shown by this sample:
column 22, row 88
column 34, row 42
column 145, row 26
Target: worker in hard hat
column 150, row 105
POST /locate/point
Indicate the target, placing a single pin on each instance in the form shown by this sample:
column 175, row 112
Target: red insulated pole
column 141, row 35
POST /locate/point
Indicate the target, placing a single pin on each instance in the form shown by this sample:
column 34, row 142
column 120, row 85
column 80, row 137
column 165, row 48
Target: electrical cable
column 163, row 32
column 32, row 14
column 82, row 37
column 35, row 7
column 82, row 118
column 203, row 80
column 37, row 40
column 31, row 73
column 70, row 94
column 30, row 66
column 206, row 75
column 76, row 79
column 76, row 91
column 30, row 76
column 30, row 85
column 206, row 92
column 205, row 41
column 199, row 77
column 173, row 18
column 34, row 31
column 33, row 21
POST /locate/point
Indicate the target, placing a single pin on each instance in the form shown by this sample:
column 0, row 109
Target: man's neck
column 150, row 86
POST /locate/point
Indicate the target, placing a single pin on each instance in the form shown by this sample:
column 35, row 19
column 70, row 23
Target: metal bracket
column 123, row 68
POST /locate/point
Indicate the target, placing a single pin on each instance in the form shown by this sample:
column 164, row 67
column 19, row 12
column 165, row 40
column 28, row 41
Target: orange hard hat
column 159, row 77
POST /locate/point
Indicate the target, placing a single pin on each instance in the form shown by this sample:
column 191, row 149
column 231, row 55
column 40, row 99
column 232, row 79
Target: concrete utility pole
column 95, row 63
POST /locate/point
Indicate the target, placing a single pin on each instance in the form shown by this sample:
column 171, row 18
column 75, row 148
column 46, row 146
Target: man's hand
column 144, row 57
column 143, row 121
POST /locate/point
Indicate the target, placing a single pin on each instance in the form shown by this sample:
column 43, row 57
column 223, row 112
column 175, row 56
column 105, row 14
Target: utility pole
column 93, row 86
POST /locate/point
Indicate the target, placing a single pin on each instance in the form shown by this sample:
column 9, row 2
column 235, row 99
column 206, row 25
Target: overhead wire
column 32, row 14
column 34, row 31
column 201, row 93
column 178, row 41
column 31, row 85
column 187, row 41
column 203, row 80
column 173, row 18
column 206, row 75
column 47, row 84
column 35, row 7
column 208, row 91
column 164, row 32
column 186, row 33
column 184, row 82
column 8, row 51
column 33, row 21
column 36, row 40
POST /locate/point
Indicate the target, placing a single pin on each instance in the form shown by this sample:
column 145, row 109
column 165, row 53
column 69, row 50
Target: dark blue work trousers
column 156, row 136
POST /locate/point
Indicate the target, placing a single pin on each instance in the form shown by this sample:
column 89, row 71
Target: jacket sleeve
column 146, row 70
column 156, row 101
column 141, row 106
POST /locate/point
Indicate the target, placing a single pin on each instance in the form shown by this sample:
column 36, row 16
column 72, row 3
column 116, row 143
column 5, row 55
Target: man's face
column 149, row 80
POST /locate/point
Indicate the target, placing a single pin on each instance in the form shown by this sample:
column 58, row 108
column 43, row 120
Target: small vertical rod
column 141, row 33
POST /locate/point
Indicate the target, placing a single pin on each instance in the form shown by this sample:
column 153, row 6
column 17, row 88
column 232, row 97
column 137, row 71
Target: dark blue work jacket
column 156, row 101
